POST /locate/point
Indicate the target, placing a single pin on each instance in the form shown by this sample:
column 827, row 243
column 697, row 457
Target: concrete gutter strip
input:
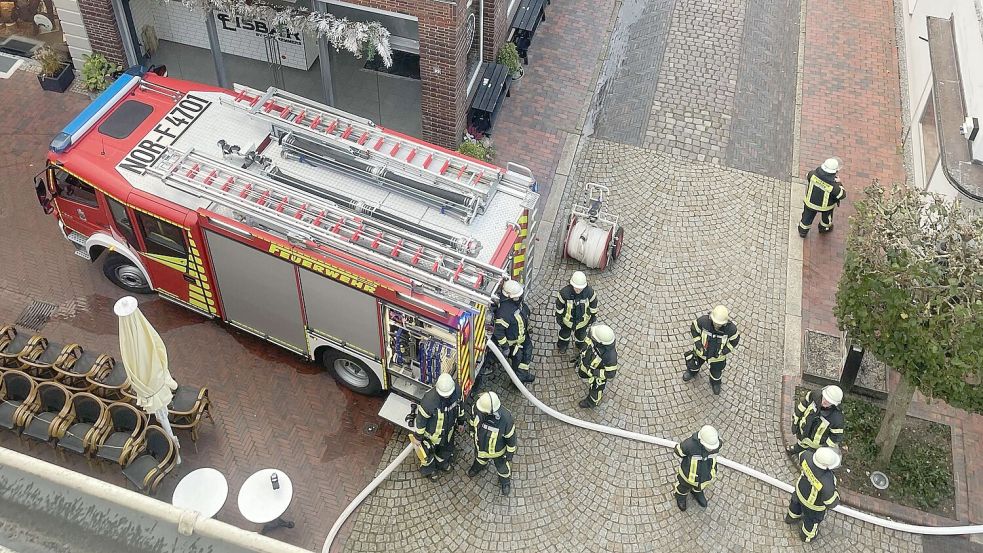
column 185, row 522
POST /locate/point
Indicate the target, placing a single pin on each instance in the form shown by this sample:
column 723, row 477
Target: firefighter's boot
column 715, row 386
column 525, row 376
column 701, row 499
column 586, row 403
column 681, row 502
column 689, row 375
column 562, row 345
column 506, row 485
column 789, row 519
column 475, row 469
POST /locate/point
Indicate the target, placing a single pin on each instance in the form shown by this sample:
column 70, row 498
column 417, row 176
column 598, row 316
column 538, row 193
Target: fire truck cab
column 371, row 252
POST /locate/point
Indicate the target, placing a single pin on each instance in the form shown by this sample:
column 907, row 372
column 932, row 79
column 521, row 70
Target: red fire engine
column 369, row 251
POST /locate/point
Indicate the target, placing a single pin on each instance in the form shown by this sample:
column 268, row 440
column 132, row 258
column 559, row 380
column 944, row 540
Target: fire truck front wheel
column 350, row 372
column 123, row 273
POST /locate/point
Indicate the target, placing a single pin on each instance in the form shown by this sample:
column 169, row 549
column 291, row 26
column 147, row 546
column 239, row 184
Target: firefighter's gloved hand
column 426, row 445
column 411, row 420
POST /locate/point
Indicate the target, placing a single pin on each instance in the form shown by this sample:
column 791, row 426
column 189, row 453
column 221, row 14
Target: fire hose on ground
column 622, row 433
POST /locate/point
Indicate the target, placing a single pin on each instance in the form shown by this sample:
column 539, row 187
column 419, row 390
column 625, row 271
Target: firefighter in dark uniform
column 714, row 337
column 494, row 438
column 576, row 307
column 512, row 330
column 436, row 416
column 697, row 465
column 818, row 420
column 823, row 193
column 815, row 491
column 597, row 364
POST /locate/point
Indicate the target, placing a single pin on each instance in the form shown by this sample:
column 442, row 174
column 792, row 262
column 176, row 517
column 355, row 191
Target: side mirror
column 41, row 189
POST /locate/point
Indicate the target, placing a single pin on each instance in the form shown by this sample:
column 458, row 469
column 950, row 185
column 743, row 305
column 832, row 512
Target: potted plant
column 97, row 71
column 508, row 56
column 56, row 75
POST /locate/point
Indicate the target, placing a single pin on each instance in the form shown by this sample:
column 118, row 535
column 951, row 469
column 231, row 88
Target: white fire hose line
column 860, row 515
column 622, row 433
column 364, row 493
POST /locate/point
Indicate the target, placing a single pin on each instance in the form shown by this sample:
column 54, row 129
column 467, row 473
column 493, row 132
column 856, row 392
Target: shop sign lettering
column 234, row 23
column 322, row 268
column 164, row 134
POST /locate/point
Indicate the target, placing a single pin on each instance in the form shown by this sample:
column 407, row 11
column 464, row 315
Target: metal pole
column 223, row 80
column 324, row 53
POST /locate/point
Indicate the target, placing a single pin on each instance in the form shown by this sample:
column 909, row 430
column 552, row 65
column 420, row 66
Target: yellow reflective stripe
column 176, row 263
column 502, row 322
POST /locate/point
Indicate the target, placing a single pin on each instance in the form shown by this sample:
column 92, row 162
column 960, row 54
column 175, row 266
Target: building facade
column 943, row 42
column 439, row 48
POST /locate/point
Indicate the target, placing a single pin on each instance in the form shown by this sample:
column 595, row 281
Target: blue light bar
column 84, row 121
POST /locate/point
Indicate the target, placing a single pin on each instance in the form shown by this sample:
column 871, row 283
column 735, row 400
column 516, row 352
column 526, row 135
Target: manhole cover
column 370, row 428
column 879, row 480
column 36, row 315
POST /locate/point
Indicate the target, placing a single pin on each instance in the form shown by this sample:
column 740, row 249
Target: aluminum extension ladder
column 435, row 166
column 312, row 221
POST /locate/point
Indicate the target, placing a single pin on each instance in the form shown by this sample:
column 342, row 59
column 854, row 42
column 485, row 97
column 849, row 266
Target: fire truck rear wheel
column 123, row 273
column 351, row 372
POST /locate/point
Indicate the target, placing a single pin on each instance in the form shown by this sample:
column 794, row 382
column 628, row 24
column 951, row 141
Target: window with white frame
column 474, row 38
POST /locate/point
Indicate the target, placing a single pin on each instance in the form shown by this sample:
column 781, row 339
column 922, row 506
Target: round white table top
column 202, row 490
column 259, row 502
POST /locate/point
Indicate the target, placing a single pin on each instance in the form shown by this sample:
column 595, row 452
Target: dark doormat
column 36, row 315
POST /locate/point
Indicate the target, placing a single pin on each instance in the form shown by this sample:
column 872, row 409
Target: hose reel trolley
column 594, row 237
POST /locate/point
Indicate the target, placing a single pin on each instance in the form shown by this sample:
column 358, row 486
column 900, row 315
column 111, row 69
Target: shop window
column 162, row 238
column 930, row 137
column 405, row 64
column 74, row 189
column 122, row 220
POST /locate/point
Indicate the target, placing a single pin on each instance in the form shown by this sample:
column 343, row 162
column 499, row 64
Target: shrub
column 508, row 56
column 50, row 60
column 96, row 72
column 476, row 150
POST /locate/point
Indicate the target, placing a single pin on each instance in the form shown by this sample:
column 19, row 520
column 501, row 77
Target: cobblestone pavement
column 577, row 490
column 271, row 408
column 764, row 105
column 705, row 81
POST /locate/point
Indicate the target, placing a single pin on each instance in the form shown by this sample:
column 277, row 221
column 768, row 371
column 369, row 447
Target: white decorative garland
column 356, row 37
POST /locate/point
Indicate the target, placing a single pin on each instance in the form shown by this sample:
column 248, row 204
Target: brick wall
column 496, row 27
column 443, row 63
column 100, row 24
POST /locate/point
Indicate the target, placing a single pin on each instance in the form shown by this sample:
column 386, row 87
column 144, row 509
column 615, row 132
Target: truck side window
column 162, row 238
column 74, row 189
column 122, row 220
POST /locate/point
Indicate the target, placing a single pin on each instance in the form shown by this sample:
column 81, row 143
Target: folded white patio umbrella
column 145, row 360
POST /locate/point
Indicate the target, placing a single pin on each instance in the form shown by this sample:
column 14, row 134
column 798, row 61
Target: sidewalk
column 851, row 108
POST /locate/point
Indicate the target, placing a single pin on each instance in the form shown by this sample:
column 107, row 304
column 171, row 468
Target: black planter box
column 60, row 82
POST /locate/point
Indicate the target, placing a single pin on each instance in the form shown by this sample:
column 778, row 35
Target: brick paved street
column 271, row 408
column 851, row 107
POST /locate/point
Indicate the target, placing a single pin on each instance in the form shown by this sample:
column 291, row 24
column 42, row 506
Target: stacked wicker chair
column 82, row 402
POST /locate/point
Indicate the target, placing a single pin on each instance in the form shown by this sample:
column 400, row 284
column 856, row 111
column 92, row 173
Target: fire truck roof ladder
column 447, row 179
column 310, row 221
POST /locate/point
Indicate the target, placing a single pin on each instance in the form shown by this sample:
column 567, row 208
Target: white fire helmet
column 445, row 385
column 489, row 403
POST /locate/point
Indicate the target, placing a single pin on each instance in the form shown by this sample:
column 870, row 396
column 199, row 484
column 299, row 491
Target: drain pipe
column 622, row 433
column 860, row 515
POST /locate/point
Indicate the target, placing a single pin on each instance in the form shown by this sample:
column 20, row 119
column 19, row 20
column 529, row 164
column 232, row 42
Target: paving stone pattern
column 764, row 107
column 547, row 102
column 576, row 490
column 694, row 100
column 637, row 46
